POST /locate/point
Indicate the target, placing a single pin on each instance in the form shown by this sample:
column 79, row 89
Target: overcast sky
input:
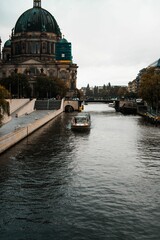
column 111, row 39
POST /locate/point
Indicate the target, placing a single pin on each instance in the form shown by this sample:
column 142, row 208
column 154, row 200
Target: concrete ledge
column 17, row 103
column 27, row 109
column 6, row 119
column 14, row 137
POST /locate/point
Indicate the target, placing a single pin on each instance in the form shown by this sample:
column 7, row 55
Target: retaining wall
column 14, row 137
column 27, row 108
column 16, row 103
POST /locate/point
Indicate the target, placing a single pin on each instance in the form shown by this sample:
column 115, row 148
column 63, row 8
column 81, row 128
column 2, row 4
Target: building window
column 3, row 74
column 52, row 48
column 37, row 48
column 44, row 47
column 17, row 50
column 23, row 47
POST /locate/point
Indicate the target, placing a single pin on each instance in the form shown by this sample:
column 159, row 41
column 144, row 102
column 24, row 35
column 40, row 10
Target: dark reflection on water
column 103, row 184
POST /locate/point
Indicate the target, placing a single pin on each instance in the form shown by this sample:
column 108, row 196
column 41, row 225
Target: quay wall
column 27, row 108
column 6, row 119
column 16, row 103
column 19, row 107
column 17, row 135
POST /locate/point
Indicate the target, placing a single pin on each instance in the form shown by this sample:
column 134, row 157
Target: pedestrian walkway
column 17, row 123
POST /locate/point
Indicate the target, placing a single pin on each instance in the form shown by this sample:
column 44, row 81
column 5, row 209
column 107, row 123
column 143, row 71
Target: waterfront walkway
column 19, row 128
column 19, row 122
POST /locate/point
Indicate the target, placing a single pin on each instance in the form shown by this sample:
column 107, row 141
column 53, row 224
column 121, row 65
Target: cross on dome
column 36, row 3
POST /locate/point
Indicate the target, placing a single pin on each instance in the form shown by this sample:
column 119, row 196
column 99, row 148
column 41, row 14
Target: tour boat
column 81, row 122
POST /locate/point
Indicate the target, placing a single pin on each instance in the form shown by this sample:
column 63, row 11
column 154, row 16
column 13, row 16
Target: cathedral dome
column 37, row 19
column 7, row 43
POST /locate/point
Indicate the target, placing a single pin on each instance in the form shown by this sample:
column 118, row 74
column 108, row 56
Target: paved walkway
column 22, row 121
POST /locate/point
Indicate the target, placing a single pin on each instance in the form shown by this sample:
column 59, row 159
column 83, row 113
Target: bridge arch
column 69, row 108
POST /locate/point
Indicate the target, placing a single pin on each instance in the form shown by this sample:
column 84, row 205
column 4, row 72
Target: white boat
column 111, row 105
column 81, row 122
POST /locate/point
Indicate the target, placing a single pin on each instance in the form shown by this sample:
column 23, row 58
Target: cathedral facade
column 36, row 47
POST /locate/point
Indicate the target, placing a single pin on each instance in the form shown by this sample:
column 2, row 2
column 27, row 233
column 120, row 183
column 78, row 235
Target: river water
column 100, row 185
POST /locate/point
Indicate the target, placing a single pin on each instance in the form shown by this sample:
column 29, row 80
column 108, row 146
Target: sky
column 112, row 40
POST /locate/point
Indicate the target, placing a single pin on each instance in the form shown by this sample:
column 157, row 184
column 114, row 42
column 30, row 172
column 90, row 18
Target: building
column 155, row 64
column 132, row 86
column 36, row 47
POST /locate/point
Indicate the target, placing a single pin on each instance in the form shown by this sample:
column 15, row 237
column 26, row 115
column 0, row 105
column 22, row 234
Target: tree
column 150, row 87
column 89, row 92
column 17, row 84
column 4, row 106
column 109, row 85
column 47, row 87
column 61, row 87
column 122, row 92
column 96, row 92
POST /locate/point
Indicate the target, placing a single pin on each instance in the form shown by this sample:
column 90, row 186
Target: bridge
column 99, row 100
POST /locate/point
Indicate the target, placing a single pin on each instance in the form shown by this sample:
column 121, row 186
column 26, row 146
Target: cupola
column 36, row 3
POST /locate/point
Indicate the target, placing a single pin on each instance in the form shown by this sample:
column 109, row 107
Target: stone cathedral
column 36, row 47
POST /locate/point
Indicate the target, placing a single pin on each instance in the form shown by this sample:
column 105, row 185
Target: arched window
column 23, row 47
column 17, row 50
column 44, row 47
column 38, row 48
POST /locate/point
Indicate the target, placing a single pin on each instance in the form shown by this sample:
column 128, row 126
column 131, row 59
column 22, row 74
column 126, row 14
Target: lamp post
column 10, row 89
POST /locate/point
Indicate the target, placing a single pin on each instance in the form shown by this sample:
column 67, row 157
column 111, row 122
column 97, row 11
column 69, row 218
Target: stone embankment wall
column 19, row 107
column 14, row 137
column 17, row 103
column 27, row 108
column 6, row 119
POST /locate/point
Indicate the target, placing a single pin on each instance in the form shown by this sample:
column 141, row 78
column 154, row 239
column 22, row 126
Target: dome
column 7, row 43
column 37, row 19
column 63, row 40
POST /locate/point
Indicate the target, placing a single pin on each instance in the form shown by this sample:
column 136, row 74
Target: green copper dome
column 63, row 40
column 7, row 43
column 37, row 19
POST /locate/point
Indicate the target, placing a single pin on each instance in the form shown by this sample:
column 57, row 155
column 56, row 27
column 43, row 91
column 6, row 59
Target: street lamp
column 10, row 89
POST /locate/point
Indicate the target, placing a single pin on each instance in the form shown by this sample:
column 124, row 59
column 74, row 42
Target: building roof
column 155, row 64
column 37, row 19
column 63, row 40
column 7, row 43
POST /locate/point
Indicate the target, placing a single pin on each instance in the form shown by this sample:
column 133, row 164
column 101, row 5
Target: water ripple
column 100, row 185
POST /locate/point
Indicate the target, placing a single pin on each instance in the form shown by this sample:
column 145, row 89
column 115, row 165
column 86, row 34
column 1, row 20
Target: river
column 97, row 185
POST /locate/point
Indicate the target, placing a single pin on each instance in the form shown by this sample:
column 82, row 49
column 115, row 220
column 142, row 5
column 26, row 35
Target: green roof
column 37, row 19
column 63, row 40
column 7, row 43
column 63, row 50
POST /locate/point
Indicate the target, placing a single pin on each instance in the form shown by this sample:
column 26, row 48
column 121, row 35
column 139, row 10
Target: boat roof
column 83, row 114
column 80, row 116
